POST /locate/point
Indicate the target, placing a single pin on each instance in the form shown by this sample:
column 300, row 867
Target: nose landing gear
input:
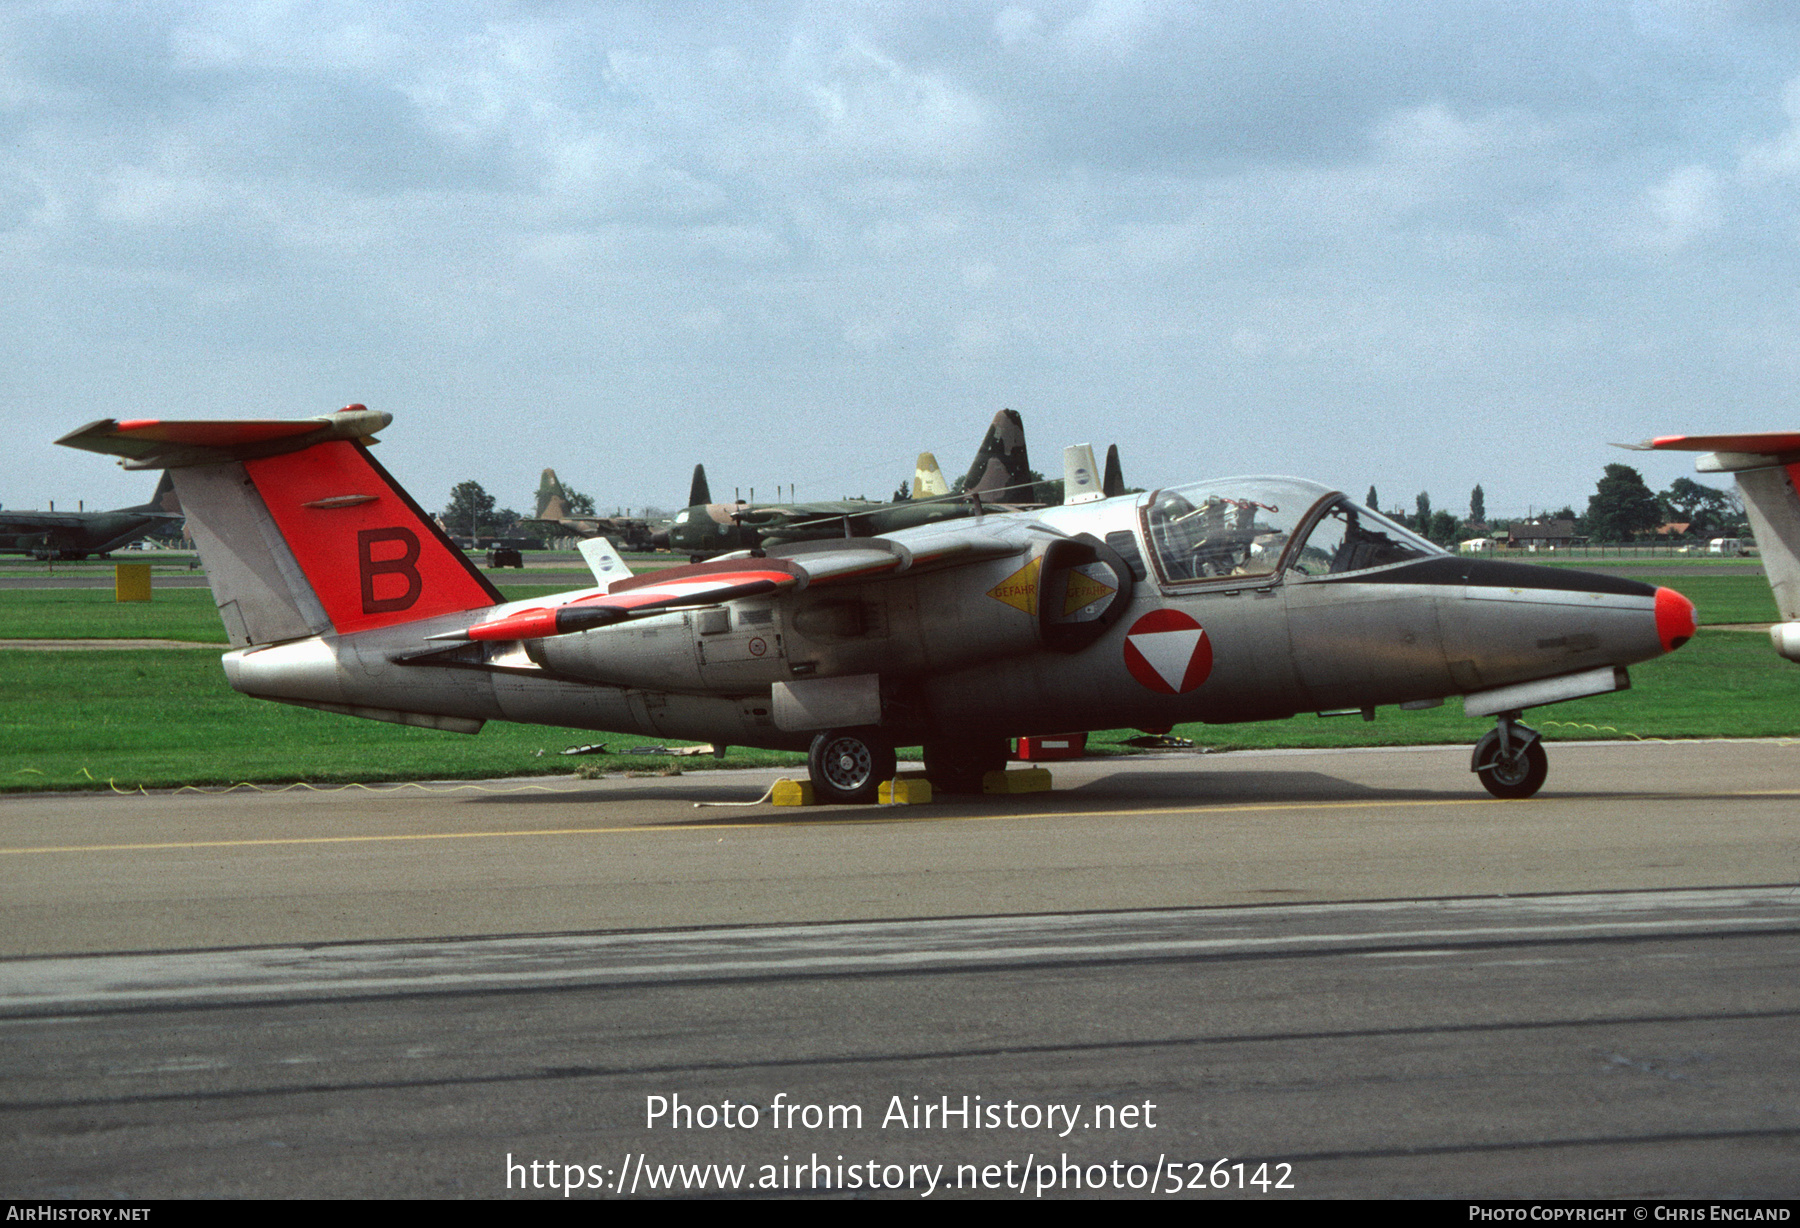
column 1510, row 759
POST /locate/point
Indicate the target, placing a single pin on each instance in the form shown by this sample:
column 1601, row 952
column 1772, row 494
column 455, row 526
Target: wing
column 29, row 522
column 784, row 568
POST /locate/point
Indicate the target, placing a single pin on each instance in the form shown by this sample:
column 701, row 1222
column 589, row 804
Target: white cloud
column 872, row 106
column 1779, row 158
column 1197, row 220
column 1680, row 209
column 1109, row 28
column 1014, row 25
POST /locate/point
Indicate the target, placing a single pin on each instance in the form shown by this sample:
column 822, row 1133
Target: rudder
column 552, row 500
column 1001, row 469
column 301, row 529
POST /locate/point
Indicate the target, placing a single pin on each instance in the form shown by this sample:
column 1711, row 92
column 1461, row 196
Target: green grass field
column 165, row 717
column 172, row 614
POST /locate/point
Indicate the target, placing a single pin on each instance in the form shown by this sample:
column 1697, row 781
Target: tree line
column 1622, row 508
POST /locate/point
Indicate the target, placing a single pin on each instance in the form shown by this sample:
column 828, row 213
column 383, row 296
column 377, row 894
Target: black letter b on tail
column 402, row 565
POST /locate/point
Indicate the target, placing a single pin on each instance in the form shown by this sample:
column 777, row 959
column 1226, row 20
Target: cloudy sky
column 1418, row 245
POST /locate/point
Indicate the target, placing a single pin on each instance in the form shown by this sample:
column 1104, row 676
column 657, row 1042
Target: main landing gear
column 1510, row 759
column 848, row 765
column 960, row 766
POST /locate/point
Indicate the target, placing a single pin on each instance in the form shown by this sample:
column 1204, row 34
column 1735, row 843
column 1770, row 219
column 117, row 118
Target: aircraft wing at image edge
column 1767, row 468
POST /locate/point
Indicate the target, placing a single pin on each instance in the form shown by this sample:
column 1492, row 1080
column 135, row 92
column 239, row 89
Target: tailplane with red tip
column 301, row 530
column 1767, row 468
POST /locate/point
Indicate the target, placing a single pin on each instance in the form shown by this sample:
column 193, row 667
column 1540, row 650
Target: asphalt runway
column 1354, row 964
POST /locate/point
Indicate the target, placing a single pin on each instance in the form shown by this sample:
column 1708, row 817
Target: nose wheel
column 848, row 765
column 1510, row 759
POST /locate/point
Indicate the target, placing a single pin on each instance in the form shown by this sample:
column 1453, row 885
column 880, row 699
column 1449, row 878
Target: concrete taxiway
column 1353, row 963
column 104, row 872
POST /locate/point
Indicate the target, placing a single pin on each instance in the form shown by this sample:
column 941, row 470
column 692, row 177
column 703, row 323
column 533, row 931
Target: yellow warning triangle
column 1083, row 590
column 1019, row 590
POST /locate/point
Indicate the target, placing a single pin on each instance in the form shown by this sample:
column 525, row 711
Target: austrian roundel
column 1168, row 652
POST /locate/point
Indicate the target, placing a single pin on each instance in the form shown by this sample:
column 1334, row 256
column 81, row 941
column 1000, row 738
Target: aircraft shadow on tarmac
column 1200, row 788
column 1204, row 786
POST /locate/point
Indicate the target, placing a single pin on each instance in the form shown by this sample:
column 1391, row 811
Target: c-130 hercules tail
column 1232, row 600
column 1000, row 475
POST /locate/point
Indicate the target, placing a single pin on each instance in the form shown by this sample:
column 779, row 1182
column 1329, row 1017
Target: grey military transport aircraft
column 554, row 513
column 1240, row 599
column 1767, row 468
column 705, row 530
column 75, row 535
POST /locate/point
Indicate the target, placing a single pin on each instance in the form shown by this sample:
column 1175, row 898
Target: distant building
column 1541, row 534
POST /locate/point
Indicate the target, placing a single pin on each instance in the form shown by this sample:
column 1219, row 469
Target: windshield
column 1243, row 527
column 1349, row 537
column 1234, row 527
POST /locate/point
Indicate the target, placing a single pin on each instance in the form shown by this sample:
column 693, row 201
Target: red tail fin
column 372, row 555
column 300, row 529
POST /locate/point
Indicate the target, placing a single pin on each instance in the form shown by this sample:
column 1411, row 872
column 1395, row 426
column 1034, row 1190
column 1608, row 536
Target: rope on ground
column 1601, row 729
column 389, row 787
column 393, row 787
column 1635, row 737
column 759, row 801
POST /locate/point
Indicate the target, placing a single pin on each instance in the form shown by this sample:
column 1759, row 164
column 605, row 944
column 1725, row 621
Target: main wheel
column 959, row 766
column 848, row 765
column 1513, row 776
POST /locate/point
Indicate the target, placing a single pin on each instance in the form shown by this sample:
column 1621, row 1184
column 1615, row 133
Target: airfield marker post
column 131, row 581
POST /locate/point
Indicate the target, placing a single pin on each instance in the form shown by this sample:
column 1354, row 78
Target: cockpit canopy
column 1247, row 526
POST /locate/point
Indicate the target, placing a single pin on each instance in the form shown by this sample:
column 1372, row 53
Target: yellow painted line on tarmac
column 887, row 817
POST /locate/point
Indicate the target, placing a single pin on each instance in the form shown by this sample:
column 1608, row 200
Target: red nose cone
column 1675, row 621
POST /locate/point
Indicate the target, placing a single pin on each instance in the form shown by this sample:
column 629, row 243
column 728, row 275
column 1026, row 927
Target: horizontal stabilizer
column 150, row 443
column 1731, row 453
column 1774, row 442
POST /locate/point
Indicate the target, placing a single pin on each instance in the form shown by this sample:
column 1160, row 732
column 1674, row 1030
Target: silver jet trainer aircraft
column 1236, row 600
